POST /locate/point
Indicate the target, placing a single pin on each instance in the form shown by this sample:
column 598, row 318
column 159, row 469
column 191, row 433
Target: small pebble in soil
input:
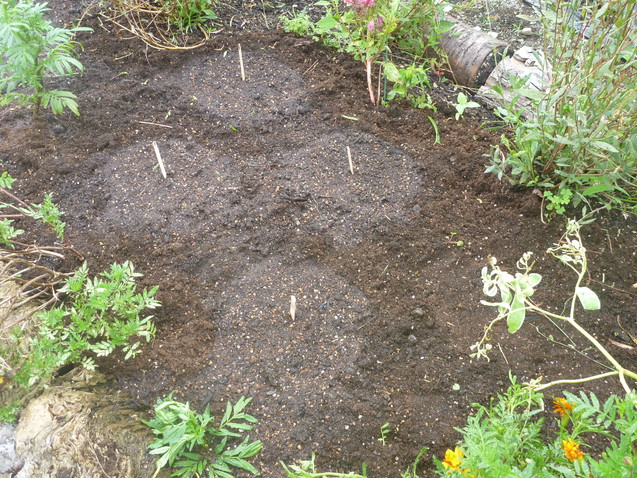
column 412, row 339
column 527, row 31
column 418, row 313
column 58, row 129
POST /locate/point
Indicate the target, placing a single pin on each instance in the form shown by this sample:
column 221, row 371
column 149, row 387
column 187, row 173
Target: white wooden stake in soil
column 292, row 307
column 349, row 158
column 161, row 163
column 243, row 73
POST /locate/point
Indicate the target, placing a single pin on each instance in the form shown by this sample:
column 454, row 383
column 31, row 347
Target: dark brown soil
column 259, row 205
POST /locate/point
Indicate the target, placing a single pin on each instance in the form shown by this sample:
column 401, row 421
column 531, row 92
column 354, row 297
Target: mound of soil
column 259, row 205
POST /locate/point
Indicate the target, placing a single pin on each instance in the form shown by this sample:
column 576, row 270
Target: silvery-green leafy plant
column 190, row 443
column 31, row 48
column 512, row 297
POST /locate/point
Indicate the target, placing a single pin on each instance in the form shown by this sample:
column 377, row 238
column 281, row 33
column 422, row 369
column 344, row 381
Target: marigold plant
column 562, row 407
column 571, row 449
column 453, row 459
column 508, row 438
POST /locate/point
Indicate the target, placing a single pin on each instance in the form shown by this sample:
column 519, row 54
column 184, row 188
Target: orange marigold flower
column 453, row 458
column 562, row 406
column 571, row 450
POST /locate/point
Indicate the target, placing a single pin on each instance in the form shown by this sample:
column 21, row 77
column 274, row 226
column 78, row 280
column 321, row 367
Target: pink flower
column 376, row 24
column 362, row 3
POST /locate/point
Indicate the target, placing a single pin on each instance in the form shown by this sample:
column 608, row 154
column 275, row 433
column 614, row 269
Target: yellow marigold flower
column 453, row 459
column 562, row 406
column 571, row 450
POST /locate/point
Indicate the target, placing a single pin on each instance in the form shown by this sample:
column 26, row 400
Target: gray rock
column 58, row 128
column 9, row 461
column 418, row 313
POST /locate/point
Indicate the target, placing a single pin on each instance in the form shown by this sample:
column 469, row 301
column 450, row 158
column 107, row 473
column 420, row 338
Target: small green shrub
column 190, row 443
column 300, row 23
column 30, row 48
column 100, row 315
column 583, row 135
column 9, row 412
column 187, row 15
column 370, row 29
column 506, row 438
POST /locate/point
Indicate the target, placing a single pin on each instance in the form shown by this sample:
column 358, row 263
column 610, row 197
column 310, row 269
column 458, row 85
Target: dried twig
column 153, row 25
column 154, row 124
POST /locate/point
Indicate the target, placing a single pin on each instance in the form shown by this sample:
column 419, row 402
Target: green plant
column 9, row 412
column 300, row 23
column 464, row 103
column 581, row 133
column 411, row 83
column 29, row 283
column 515, row 293
column 189, row 442
column 454, row 242
column 307, row 469
column 100, row 315
column 557, row 202
column 506, row 438
column 411, row 472
column 30, row 48
column 385, row 430
column 188, row 14
column 366, row 29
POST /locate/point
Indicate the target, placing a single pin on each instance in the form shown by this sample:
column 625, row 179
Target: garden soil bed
column 259, row 205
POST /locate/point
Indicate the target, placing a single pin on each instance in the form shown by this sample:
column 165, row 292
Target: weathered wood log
column 525, row 64
column 472, row 54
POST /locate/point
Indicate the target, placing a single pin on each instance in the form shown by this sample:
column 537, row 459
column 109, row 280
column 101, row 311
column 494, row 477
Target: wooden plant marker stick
column 243, row 73
column 349, row 158
column 161, row 163
column 293, row 307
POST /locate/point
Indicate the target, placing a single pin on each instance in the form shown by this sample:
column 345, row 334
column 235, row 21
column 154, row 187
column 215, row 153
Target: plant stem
column 577, row 380
column 370, row 86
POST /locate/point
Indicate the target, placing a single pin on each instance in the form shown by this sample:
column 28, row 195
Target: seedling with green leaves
column 464, row 103
column 30, row 49
column 190, row 443
column 307, row 469
column 385, row 430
